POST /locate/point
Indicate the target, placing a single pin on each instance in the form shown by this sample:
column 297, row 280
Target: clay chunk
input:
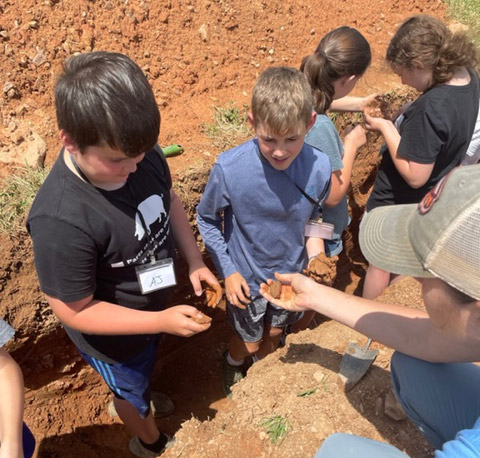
column 276, row 289
column 203, row 319
column 323, row 269
column 213, row 295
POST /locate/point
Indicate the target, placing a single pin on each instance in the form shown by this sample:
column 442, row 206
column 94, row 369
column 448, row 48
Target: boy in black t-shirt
column 104, row 227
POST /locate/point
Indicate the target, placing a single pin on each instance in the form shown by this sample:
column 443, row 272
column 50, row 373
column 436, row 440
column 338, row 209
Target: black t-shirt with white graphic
column 88, row 241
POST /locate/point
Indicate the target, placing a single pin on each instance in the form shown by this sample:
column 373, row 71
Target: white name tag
column 156, row 275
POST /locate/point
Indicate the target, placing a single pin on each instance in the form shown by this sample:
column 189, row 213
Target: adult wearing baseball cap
column 438, row 242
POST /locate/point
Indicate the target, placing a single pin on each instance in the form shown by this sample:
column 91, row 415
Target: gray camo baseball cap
column 439, row 237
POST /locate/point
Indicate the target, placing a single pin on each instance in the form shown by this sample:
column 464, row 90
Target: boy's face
column 105, row 167
column 281, row 150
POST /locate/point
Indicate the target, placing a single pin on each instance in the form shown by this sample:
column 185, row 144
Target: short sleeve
column 164, row 165
column 423, row 134
column 324, row 136
column 65, row 258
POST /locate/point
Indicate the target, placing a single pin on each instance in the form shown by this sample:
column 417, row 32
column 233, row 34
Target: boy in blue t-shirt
column 258, row 200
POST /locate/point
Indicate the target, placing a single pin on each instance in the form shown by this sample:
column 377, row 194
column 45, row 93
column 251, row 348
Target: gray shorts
column 249, row 323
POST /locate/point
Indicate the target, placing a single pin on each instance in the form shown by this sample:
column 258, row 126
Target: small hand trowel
column 355, row 364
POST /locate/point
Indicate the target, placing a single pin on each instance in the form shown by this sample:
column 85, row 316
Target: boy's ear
column 69, row 144
column 251, row 120
column 313, row 118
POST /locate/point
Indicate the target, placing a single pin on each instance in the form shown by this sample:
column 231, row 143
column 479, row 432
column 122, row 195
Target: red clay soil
column 197, row 54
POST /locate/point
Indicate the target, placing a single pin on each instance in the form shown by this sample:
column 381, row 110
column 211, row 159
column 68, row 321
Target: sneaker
column 231, row 375
column 160, row 404
column 283, row 338
column 139, row 450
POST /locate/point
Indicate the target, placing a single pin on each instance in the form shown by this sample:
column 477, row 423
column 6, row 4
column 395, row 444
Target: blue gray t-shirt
column 324, row 136
column 252, row 217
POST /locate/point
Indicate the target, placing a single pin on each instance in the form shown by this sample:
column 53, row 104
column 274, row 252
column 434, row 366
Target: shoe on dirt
column 139, row 450
column 231, row 375
column 160, row 404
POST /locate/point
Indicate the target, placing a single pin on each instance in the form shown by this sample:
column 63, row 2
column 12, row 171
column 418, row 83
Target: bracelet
column 311, row 257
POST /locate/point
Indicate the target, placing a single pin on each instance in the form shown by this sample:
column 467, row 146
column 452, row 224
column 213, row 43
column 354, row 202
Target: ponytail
column 341, row 52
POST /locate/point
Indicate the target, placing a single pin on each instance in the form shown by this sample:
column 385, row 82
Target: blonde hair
column 281, row 99
column 425, row 41
column 341, row 52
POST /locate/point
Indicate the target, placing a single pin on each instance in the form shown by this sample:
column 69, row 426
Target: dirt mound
column 196, row 54
column 298, row 384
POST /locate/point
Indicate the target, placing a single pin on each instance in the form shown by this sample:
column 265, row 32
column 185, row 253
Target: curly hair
column 425, row 41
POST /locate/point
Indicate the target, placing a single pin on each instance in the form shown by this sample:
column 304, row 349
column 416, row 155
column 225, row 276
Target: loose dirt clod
column 323, row 269
column 213, row 295
column 390, row 104
column 276, row 289
column 201, row 319
column 281, row 291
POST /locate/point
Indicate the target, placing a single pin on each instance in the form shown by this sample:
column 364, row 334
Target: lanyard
column 151, row 252
column 316, row 203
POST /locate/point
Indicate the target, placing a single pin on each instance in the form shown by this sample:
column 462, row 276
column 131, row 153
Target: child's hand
column 183, row 320
column 374, row 123
column 203, row 273
column 367, row 101
column 297, row 300
column 213, row 294
column 237, row 290
column 357, row 137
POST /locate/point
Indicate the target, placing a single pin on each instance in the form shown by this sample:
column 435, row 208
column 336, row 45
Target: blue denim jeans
column 441, row 399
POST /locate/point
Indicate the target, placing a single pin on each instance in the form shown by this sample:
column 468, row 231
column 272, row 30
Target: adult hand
column 237, row 290
column 302, row 292
column 179, row 321
column 356, row 138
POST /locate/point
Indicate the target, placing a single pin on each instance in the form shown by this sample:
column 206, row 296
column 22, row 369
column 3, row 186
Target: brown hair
column 426, row 42
column 281, row 99
column 341, row 52
column 104, row 98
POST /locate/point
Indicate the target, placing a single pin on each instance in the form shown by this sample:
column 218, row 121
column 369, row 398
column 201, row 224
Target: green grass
column 230, row 126
column 277, row 428
column 16, row 196
column 306, row 393
column 467, row 12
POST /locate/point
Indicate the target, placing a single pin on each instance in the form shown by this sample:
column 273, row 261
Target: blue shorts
column 28, row 442
column 249, row 323
column 333, row 247
column 129, row 380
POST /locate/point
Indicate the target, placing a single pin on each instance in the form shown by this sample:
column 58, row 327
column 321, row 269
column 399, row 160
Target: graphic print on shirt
column 151, row 209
